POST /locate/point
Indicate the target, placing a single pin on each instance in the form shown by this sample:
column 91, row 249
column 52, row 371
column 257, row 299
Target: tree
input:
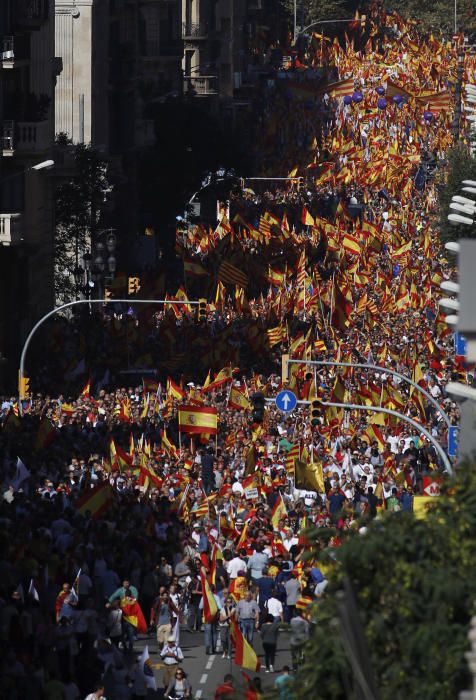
column 461, row 166
column 309, row 11
column 414, row 582
column 438, row 16
column 78, row 203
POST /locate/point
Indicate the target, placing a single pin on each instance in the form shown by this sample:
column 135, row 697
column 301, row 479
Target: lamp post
column 99, row 265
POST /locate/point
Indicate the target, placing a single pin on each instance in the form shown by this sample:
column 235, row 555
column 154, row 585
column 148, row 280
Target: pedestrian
column 172, row 656
column 114, row 623
column 247, row 613
column 298, row 637
column 226, row 691
column 179, row 685
column 210, row 627
column 293, row 591
column 97, row 694
column 226, row 614
column 284, row 684
column 269, row 636
column 274, row 607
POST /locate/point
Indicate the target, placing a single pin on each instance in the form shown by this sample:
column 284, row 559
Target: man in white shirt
column 234, row 565
column 274, row 606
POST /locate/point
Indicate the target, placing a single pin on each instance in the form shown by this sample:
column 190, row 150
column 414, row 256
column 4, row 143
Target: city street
column 205, row 672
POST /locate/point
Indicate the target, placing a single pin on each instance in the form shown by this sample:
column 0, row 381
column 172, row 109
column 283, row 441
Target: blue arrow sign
column 460, row 345
column 453, row 434
column 286, row 401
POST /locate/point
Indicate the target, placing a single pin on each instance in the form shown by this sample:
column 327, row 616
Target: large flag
column 229, row 274
column 45, row 435
column 210, row 607
column 145, row 666
column 96, row 500
column 238, row 400
column 132, row 613
column 279, row 511
column 245, row 655
column 309, row 476
column 198, row 419
column 22, row 473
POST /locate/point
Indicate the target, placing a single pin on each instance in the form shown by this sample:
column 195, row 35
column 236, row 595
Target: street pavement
column 206, row 672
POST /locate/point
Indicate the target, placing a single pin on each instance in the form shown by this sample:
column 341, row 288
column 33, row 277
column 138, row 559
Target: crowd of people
column 120, row 522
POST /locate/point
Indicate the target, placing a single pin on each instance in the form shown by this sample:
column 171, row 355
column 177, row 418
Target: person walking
column 179, row 686
column 269, row 636
column 226, row 614
column 172, row 656
column 247, row 613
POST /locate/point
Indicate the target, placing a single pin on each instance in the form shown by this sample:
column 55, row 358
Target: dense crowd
column 118, row 521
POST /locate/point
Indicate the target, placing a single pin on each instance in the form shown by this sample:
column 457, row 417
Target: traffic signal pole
column 58, row 309
column 384, row 370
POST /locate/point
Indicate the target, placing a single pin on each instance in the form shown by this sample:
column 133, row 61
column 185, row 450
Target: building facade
column 28, row 73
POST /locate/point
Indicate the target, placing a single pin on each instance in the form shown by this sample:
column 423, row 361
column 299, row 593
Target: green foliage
column 78, row 202
column 461, row 166
column 415, row 582
column 438, row 15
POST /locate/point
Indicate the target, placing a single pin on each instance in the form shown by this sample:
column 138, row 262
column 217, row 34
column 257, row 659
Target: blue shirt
column 265, row 586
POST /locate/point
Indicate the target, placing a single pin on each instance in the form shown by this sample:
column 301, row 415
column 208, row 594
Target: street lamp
column 43, row 165
column 320, row 21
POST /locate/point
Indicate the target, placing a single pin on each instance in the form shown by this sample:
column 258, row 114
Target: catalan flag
column 245, row 655
column 96, row 500
column 198, row 419
column 230, row 274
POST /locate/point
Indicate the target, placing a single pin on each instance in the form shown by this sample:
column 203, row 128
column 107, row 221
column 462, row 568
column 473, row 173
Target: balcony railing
column 25, row 137
column 201, row 85
column 10, row 229
column 192, row 30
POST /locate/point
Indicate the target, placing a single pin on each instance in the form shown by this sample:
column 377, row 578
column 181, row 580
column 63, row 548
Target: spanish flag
column 198, row 419
column 224, row 376
column 245, row 655
column 45, row 435
column 243, row 537
column 119, row 458
column 96, row 500
column 351, row 244
column 279, row 511
column 210, row 607
column 238, row 400
column 194, row 269
column 173, row 390
column 306, row 218
column 132, row 613
column 86, row 392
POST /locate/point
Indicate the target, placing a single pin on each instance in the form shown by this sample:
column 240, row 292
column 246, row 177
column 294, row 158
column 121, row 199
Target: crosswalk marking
column 203, row 679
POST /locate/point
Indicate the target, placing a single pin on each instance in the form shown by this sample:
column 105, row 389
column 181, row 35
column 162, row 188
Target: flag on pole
column 245, row 655
column 22, row 473
column 279, row 512
column 96, row 500
column 32, row 591
column 210, row 608
column 198, row 419
column 145, row 666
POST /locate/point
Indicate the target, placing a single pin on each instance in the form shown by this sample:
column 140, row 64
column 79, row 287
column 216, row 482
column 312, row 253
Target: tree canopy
column 414, row 582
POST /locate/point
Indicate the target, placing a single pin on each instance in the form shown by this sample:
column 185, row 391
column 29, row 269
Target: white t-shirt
column 234, row 565
column 274, row 607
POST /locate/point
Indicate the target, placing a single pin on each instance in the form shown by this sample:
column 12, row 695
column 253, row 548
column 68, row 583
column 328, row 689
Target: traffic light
column 23, row 386
column 258, row 402
column 316, row 408
column 202, row 310
column 133, row 285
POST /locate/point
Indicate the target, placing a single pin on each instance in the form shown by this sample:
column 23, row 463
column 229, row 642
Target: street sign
column 286, row 401
column 453, row 434
column 461, row 344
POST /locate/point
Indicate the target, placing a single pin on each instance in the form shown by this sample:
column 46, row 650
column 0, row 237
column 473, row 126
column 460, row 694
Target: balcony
column 8, row 54
column 200, row 85
column 10, row 229
column 192, row 31
column 25, row 137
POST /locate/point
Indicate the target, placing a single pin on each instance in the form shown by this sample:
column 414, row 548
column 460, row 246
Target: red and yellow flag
column 96, row 500
column 132, row 613
column 279, row 511
column 245, row 655
column 210, row 607
column 198, row 419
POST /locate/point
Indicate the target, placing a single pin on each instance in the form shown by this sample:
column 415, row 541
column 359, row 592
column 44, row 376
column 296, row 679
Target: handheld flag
column 146, row 669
